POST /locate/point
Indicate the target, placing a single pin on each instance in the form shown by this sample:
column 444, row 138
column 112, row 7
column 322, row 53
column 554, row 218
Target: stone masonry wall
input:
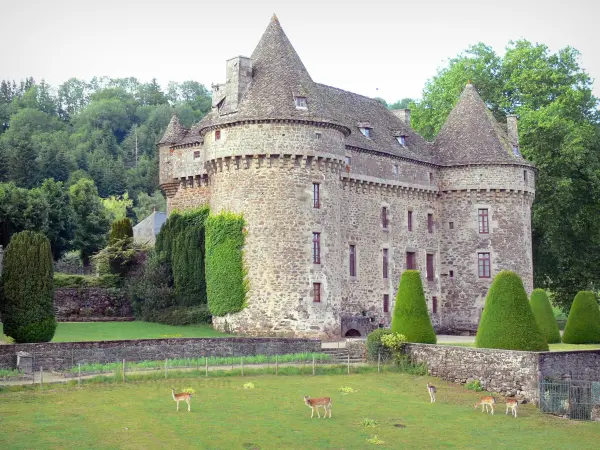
column 64, row 355
column 91, row 304
column 507, row 372
column 576, row 365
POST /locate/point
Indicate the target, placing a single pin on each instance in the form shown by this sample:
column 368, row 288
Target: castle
column 340, row 196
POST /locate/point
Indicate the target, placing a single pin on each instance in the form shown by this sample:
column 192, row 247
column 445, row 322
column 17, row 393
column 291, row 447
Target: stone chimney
column 239, row 77
column 512, row 129
column 403, row 115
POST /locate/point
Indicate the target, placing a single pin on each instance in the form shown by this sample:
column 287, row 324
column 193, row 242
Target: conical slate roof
column 471, row 135
column 278, row 76
column 174, row 133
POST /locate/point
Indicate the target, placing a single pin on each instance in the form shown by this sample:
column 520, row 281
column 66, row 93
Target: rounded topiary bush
column 507, row 321
column 375, row 347
column 411, row 317
column 583, row 323
column 27, row 304
column 544, row 316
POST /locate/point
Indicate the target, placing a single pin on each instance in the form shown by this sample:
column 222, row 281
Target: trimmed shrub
column 375, row 346
column 507, row 321
column 181, row 315
column 583, row 323
column 120, row 229
column 188, row 266
column 544, row 316
column 63, row 280
column 27, row 304
column 226, row 282
column 411, row 317
column 165, row 238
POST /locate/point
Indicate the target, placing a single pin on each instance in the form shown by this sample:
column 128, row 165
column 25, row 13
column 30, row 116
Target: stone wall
column 64, row 355
column 91, row 305
column 506, row 372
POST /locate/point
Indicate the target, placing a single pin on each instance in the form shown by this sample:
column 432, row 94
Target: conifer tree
column 583, row 323
column 542, row 311
column 411, row 317
column 507, row 321
column 27, row 303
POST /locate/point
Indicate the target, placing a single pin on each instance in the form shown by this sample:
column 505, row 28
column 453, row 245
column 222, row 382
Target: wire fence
column 575, row 399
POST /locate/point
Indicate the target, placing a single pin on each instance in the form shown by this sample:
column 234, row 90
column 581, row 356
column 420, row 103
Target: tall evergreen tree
column 60, row 217
column 27, row 303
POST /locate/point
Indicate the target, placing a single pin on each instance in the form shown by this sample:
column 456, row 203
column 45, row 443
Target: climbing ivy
column 226, row 281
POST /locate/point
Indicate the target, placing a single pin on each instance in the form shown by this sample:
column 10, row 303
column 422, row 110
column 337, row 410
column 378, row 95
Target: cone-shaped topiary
column 120, row 229
column 27, row 304
column 583, row 323
column 542, row 311
column 507, row 320
column 411, row 317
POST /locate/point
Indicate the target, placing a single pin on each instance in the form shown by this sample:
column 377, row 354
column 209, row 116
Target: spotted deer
column 432, row 390
column 315, row 403
column 512, row 403
column 183, row 397
column 485, row 402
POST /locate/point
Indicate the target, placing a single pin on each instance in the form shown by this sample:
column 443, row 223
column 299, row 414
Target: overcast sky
column 375, row 47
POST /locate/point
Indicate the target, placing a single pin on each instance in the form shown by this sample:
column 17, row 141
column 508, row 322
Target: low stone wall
column 64, row 355
column 576, row 365
column 507, row 372
column 91, row 305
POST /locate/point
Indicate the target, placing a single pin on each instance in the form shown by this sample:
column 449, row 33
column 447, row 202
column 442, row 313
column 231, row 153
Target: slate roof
column 174, row 133
column 472, row 135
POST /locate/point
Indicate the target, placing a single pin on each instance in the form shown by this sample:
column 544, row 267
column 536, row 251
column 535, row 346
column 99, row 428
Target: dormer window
column 301, row 103
column 516, row 151
column 366, row 131
column 401, row 140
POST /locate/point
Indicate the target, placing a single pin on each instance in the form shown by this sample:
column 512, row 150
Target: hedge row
column 226, row 281
column 63, row 280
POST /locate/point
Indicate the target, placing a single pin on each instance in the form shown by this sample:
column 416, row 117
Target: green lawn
column 98, row 331
column 553, row 347
column 273, row 416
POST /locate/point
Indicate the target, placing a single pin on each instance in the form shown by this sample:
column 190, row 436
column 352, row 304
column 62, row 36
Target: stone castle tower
column 340, row 196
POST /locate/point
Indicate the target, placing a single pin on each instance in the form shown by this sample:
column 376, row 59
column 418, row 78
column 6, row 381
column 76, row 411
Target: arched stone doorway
column 352, row 333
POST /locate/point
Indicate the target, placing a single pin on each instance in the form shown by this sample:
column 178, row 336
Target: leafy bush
column 120, row 229
column 507, row 321
column 474, row 385
column 226, row 282
column 583, row 323
column 544, row 317
column 119, row 257
column 180, row 315
column 70, row 263
column 394, row 343
column 411, row 317
column 27, row 303
column 188, row 266
column 376, row 347
column 62, row 280
column 152, row 290
column 249, row 385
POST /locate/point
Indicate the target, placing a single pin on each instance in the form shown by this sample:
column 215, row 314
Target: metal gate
column 570, row 398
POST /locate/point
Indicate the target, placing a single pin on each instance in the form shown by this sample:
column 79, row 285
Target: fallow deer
column 512, row 403
column 315, row 403
column 183, row 397
column 485, row 402
column 432, row 390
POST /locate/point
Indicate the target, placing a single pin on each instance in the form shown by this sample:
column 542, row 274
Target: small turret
column 174, row 133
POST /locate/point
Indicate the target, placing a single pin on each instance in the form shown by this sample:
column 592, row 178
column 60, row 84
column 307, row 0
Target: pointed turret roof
column 471, row 135
column 174, row 133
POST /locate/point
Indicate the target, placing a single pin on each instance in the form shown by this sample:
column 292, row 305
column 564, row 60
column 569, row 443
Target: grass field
column 273, row 416
column 98, row 331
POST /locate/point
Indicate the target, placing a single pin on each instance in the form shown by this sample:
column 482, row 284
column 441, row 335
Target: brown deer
column 183, row 397
column 315, row 403
column 485, row 402
column 512, row 403
column 432, row 390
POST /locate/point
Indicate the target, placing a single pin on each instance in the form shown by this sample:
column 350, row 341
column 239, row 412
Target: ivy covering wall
column 226, row 281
